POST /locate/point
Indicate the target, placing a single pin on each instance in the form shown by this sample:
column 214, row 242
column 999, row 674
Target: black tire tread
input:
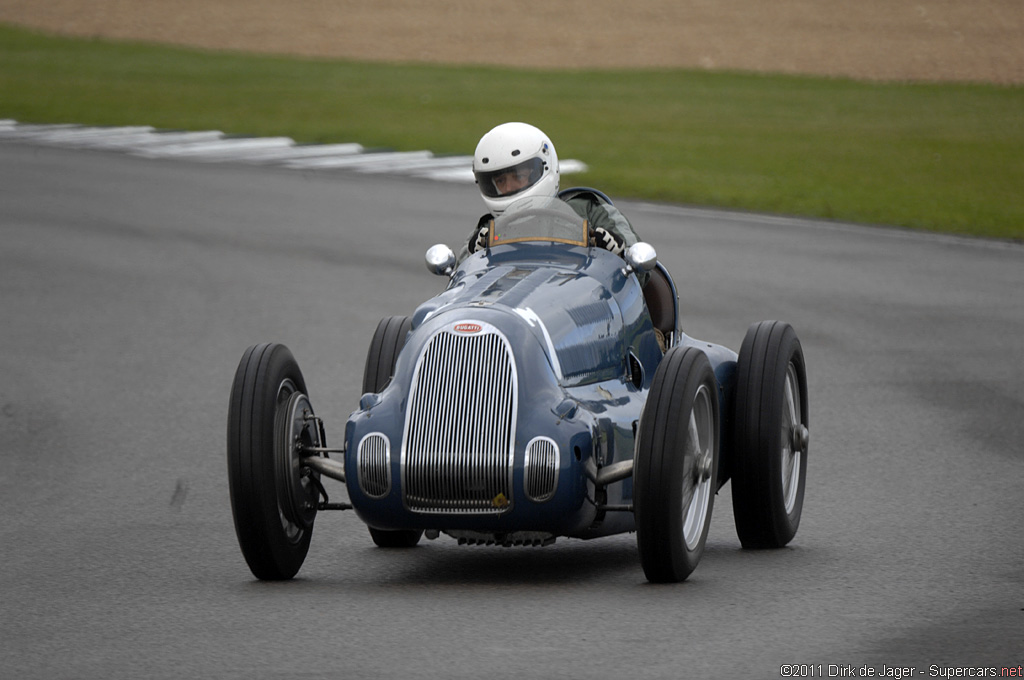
column 250, row 445
column 758, row 506
column 663, row 556
column 387, row 342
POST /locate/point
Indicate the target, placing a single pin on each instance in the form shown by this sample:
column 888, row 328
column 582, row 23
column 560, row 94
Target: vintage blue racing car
column 531, row 400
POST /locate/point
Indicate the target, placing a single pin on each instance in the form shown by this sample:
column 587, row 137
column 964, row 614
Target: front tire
column 771, row 436
column 674, row 481
column 273, row 498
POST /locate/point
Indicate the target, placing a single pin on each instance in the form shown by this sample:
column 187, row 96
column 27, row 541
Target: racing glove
column 481, row 239
column 603, row 238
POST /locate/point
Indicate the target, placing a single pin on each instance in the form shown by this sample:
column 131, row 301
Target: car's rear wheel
column 273, row 497
column 769, row 468
column 674, row 479
column 387, row 343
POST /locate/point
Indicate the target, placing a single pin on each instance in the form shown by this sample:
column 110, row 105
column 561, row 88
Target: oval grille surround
column 458, row 446
column 373, row 465
column 541, row 472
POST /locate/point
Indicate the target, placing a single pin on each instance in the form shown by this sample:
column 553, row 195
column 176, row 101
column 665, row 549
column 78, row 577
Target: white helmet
column 513, row 161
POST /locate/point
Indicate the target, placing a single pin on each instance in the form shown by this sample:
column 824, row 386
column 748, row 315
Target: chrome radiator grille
column 460, row 427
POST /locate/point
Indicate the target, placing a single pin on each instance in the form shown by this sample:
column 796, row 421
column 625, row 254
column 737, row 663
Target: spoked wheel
column 771, row 436
column 674, row 480
column 273, row 497
column 387, row 343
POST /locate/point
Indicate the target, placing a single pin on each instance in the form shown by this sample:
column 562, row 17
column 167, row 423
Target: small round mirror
column 440, row 259
column 642, row 256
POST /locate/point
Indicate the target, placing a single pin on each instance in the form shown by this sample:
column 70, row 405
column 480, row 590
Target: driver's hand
column 480, row 241
column 603, row 238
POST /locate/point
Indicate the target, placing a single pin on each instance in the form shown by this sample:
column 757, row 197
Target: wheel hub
column 799, row 437
column 702, row 470
column 297, row 492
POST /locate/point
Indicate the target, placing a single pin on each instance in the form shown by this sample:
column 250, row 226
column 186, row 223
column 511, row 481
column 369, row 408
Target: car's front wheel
column 674, row 478
column 273, row 497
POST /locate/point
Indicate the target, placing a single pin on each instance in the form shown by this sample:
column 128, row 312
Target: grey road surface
column 130, row 287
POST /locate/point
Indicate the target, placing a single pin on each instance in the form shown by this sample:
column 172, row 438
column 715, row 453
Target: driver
column 515, row 161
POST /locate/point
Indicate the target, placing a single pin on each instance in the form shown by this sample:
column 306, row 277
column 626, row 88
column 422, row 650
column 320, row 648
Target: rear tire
column 387, row 343
column 273, row 498
column 674, row 481
column 771, row 436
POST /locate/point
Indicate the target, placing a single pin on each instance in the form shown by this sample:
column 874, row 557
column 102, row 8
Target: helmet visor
column 512, row 180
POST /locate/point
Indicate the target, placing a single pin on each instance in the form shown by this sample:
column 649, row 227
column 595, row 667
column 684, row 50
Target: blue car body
column 515, row 387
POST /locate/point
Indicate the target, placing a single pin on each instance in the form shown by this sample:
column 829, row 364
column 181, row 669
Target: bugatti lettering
column 467, row 328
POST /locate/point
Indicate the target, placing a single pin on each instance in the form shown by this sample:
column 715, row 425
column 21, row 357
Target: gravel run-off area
column 891, row 40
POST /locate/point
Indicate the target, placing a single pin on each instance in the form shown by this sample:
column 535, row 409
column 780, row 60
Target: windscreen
column 539, row 219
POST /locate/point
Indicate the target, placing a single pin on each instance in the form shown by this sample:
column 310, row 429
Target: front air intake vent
column 460, row 426
column 541, row 473
column 373, row 465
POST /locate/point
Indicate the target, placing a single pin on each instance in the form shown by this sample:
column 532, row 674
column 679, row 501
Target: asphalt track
column 129, row 288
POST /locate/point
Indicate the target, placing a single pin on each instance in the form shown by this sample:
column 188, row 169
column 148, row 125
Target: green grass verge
column 945, row 157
